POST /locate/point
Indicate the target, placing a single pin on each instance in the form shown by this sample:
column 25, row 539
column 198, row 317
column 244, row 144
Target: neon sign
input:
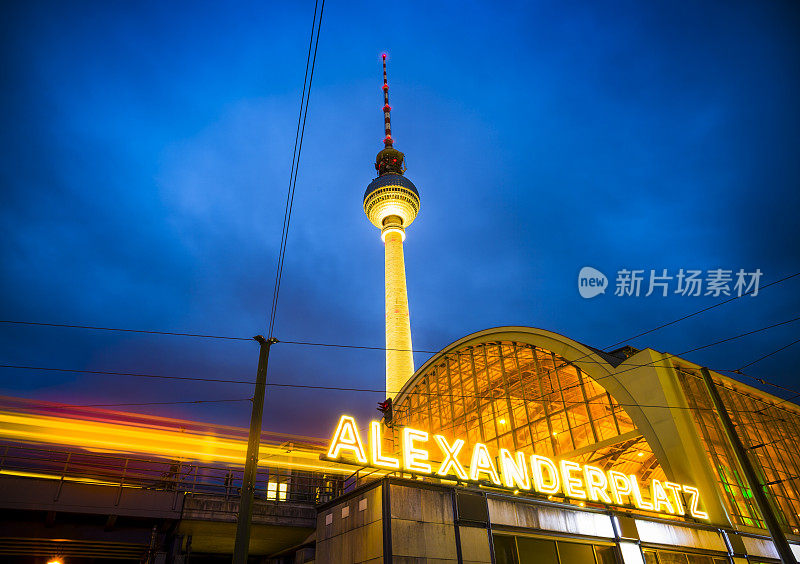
column 511, row 470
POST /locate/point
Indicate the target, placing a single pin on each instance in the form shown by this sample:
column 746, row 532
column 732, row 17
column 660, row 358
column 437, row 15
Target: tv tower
column 391, row 203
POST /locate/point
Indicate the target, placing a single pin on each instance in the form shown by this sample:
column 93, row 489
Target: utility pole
column 242, row 547
column 764, row 506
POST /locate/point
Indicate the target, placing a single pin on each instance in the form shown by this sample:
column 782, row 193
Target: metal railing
column 123, row 470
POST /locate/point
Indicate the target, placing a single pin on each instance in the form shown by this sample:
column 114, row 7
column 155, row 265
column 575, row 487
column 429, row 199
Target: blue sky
column 146, row 150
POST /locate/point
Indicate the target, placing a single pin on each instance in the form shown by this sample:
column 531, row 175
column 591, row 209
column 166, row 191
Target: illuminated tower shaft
column 399, row 358
column 391, row 203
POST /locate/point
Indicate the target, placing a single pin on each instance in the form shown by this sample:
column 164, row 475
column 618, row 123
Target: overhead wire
column 759, row 359
column 370, row 390
column 124, row 330
column 698, row 312
column 298, row 147
column 582, row 359
column 72, row 405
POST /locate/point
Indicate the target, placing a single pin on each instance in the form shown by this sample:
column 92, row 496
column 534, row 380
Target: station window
column 510, row 549
column 652, row 556
column 276, row 491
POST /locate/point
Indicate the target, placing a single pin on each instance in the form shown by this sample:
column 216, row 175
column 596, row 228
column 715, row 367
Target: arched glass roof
column 518, row 396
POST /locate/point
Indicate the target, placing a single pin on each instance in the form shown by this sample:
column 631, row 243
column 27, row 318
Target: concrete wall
column 352, row 531
column 421, row 528
column 422, row 525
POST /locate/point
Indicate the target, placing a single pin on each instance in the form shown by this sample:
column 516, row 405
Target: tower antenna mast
column 387, row 109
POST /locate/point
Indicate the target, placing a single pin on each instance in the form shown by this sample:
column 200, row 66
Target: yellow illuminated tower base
column 391, row 203
column 399, row 358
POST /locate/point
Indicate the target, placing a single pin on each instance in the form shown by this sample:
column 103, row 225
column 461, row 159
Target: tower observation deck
column 391, row 203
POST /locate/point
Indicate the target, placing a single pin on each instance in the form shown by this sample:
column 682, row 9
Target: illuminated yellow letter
column 676, row 493
column 450, row 457
column 694, row 502
column 620, row 486
column 538, row 464
column 572, row 485
column 378, row 459
column 414, row 458
column 515, row 473
column 346, row 438
column 660, row 496
column 482, row 463
column 638, row 500
column 596, row 483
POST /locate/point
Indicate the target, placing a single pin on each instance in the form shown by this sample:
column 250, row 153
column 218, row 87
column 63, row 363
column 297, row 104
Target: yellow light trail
column 125, row 438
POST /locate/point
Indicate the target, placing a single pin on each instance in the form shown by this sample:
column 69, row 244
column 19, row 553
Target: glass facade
column 653, row 556
column 769, row 430
column 510, row 549
column 521, row 397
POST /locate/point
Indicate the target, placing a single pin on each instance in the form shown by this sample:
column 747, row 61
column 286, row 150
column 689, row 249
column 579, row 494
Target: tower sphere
column 391, row 195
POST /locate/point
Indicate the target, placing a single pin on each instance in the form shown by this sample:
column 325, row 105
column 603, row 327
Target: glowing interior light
column 276, row 491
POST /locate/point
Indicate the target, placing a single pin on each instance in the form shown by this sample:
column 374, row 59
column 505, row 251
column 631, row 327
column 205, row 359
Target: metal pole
column 242, row 547
column 764, row 506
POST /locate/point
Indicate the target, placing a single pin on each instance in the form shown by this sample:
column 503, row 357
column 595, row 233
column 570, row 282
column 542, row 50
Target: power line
column 688, row 316
column 68, row 406
column 759, row 359
column 766, row 382
column 363, row 347
column 670, row 355
column 583, row 359
column 118, row 329
column 376, row 348
column 370, row 390
column 133, row 374
column 298, row 147
column 701, row 311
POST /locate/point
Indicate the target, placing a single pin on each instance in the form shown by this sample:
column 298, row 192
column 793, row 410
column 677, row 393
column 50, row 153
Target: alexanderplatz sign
column 515, row 471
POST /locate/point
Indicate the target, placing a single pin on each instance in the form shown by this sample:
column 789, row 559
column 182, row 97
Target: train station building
column 638, row 416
